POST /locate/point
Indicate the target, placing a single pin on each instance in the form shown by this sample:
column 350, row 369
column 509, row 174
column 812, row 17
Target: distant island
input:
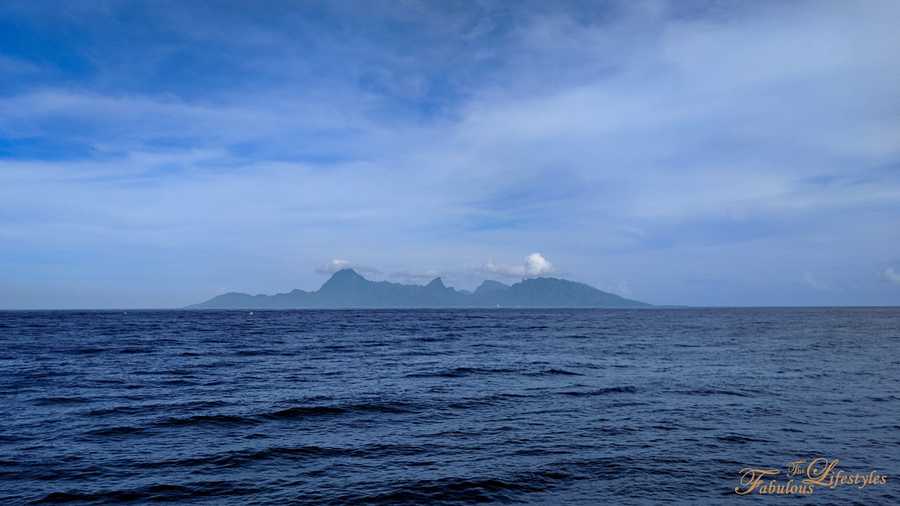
column 347, row 289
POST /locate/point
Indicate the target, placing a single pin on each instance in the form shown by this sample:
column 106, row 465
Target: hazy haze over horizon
column 156, row 154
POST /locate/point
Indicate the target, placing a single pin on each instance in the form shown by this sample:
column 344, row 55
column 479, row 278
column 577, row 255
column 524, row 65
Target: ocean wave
column 255, row 352
column 304, row 411
column 737, row 438
column 132, row 409
column 713, row 391
column 8, row 438
column 288, row 413
column 56, row 401
column 129, row 409
column 197, row 420
column 157, row 492
column 459, row 372
column 87, row 351
column 240, row 458
column 135, row 350
column 457, row 490
column 116, row 431
column 627, row 389
column 553, row 372
column 340, row 409
column 487, row 400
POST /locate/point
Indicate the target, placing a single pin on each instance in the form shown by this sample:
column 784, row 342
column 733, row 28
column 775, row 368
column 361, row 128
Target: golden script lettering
column 803, row 478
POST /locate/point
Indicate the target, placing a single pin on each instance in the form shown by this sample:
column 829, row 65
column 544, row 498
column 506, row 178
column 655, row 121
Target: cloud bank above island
column 725, row 153
column 535, row 265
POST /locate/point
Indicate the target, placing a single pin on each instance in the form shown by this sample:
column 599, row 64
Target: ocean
column 642, row 406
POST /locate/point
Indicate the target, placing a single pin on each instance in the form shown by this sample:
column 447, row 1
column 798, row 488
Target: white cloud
column 337, row 264
column 333, row 266
column 892, row 275
column 416, row 276
column 535, row 265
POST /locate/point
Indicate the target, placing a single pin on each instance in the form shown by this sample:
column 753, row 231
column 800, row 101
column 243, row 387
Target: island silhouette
column 347, row 289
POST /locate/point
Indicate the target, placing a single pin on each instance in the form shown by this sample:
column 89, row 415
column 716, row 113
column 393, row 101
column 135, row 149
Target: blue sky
column 154, row 154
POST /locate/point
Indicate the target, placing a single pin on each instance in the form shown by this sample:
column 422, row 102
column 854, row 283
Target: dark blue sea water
column 453, row 407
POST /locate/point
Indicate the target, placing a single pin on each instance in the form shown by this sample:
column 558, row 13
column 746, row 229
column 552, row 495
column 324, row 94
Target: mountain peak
column 342, row 279
column 489, row 285
column 346, row 273
column 436, row 283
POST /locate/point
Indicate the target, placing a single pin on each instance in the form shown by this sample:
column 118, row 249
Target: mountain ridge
column 348, row 289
